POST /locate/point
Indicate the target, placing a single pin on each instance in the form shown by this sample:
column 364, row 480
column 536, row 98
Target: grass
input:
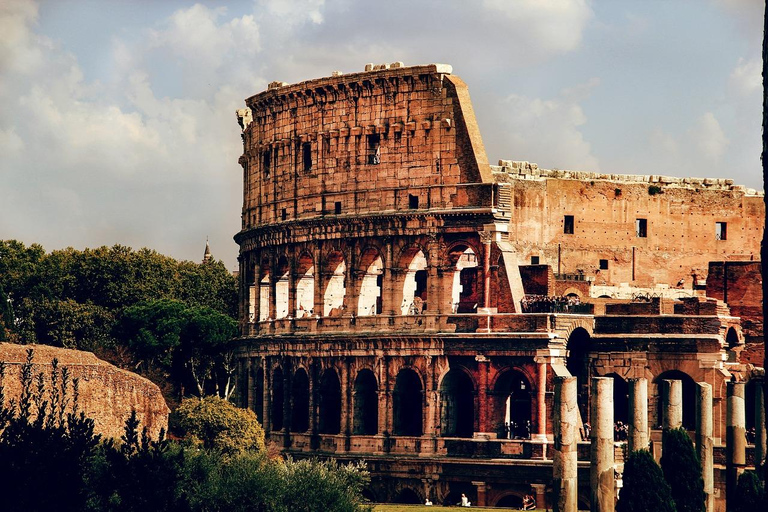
column 433, row 508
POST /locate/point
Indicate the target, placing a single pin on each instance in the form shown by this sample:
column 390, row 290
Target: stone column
column 705, row 441
column 735, row 439
column 760, row 433
column 541, row 398
column 672, row 400
column 254, row 294
column 540, row 493
column 487, row 274
column 482, row 393
column 481, row 491
column 638, row 414
column 564, row 463
column 601, row 478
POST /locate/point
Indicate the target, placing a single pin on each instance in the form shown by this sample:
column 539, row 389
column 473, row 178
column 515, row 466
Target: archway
column 620, row 398
column 277, row 399
column 281, row 288
column 415, row 282
column 335, row 286
column 330, row 403
column 689, row 397
column 264, row 290
column 369, row 299
column 366, row 410
column 408, row 497
column 305, row 286
column 408, row 402
column 300, row 407
column 510, row 501
column 513, row 405
column 577, row 362
column 457, row 404
column 732, row 338
column 464, row 292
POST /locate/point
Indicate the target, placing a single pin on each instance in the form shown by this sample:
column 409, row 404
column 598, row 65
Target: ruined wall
column 680, row 223
column 107, row 393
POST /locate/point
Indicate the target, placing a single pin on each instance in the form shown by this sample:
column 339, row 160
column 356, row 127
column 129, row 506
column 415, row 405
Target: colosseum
column 407, row 303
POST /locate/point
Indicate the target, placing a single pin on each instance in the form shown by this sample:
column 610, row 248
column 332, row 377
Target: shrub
column 682, row 470
column 645, row 489
column 750, row 493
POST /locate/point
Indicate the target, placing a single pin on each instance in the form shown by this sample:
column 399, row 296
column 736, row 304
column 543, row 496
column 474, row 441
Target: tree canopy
column 682, row 470
column 645, row 489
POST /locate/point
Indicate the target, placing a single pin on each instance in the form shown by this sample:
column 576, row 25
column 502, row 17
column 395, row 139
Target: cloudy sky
column 117, row 118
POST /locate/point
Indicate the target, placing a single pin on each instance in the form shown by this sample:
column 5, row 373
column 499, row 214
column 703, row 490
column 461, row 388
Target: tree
column 750, row 493
column 682, row 470
column 219, row 425
column 645, row 489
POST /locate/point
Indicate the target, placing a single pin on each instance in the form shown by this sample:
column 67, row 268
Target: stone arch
column 457, row 404
column 577, row 362
column 265, row 272
column 366, row 404
column 335, row 287
column 330, row 403
column 277, row 406
column 689, row 396
column 305, row 285
column 371, row 270
column 732, row 338
column 413, row 262
column 572, row 291
column 513, row 404
column 511, row 500
column 408, row 403
column 620, row 398
column 465, row 289
column 300, row 401
column 282, row 287
column 407, row 496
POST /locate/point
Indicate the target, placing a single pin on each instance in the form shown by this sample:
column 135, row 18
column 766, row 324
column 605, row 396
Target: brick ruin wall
column 107, row 394
column 680, row 216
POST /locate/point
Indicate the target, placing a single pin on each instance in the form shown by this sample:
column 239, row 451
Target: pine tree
column 645, row 489
column 682, row 470
column 750, row 494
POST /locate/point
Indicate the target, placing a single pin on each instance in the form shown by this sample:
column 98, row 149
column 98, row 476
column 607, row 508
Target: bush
column 682, row 470
column 750, row 493
column 645, row 489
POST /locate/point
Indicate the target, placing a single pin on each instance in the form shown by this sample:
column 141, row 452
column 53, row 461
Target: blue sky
column 117, row 122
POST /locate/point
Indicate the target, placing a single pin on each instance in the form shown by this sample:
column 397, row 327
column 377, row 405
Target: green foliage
column 6, row 315
column 750, row 493
column 682, row 470
column 654, row 190
column 219, row 425
column 645, row 489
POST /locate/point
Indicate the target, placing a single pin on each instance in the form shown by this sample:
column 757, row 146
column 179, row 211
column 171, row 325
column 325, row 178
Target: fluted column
column 638, row 414
column 601, row 470
column 564, row 458
column 735, row 440
column 705, row 441
column 672, row 400
column 541, row 420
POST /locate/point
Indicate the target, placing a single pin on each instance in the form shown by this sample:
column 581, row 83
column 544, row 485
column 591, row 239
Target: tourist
column 465, row 501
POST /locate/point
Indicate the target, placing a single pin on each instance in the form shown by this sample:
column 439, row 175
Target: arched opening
column 577, row 362
column 732, row 338
column 689, row 397
column 457, row 404
column 250, row 277
column 464, row 294
column 408, row 497
column 281, row 288
column 258, row 395
column 513, row 405
column 510, row 501
column 335, row 286
column 277, row 399
column 408, row 402
column 620, row 398
column 330, row 403
column 300, row 407
column 264, row 292
column 366, row 410
column 415, row 283
column 305, row 286
column 369, row 300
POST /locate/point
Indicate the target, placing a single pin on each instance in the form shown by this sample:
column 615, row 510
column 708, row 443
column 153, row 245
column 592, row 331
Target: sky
column 117, row 118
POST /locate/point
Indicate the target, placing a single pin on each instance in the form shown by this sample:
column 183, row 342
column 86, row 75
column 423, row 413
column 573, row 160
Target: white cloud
column 746, row 78
column 708, row 137
column 296, row 12
column 699, row 151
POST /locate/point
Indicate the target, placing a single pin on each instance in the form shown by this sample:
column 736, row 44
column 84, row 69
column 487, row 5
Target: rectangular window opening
column 337, row 207
column 306, row 150
column 413, row 202
column 641, row 228
column 284, row 214
column 721, row 230
column 374, row 149
column 603, row 264
column 267, row 162
column 534, row 260
column 568, row 224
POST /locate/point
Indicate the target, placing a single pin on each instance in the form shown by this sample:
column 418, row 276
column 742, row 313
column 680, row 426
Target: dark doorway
column 408, row 404
column 330, row 403
column 277, row 399
column 457, row 396
column 300, row 408
column 366, row 415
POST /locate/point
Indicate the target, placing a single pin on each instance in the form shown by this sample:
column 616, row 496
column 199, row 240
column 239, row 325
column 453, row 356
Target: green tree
column 645, row 489
column 682, row 470
column 219, row 425
column 750, row 493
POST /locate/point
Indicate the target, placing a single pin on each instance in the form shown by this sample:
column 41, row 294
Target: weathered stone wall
column 107, row 394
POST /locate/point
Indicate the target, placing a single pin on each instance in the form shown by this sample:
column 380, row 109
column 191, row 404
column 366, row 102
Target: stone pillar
column 487, row 274
column 735, row 439
column 481, row 491
column 540, row 492
column 541, row 399
column 346, row 405
column 319, row 282
column 266, row 410
column 483, row 403
column 672, row 400
column 564, row 463
column 291, row 287
column 601, row 477
column 638, row 415
column 760, row 433
column 254, row 295
column 705, row 441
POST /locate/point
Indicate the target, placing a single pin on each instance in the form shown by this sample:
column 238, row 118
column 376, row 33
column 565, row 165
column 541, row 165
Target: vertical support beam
column 319, row 281
column 672, row 404
column 735, row 440
column 254, row 293
column 345, row 424
column 760, row 433
column 564, row 462
column 705, row 442
column 541, row 399
column 483, row 404
column 601, row 470
column 249, row 387
column 481, row 492
column 431, row 396
column 638, row 414
column 273, row 278
column 267, row 397
column 291, row 313
column 487, row 273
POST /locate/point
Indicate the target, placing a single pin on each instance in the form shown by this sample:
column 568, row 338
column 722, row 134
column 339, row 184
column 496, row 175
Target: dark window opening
column 374, row 149
column 603, row 264
column 306, row 150
column 534, row 260
column 337, row 207
column 721, row 230
column 413, row 202
column 284, row 214
column 568, row 225
column 267, row 162
column 641, row 228
column 398, row 136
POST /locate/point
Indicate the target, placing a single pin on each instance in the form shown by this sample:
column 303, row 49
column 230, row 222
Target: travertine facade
column 382, row 298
